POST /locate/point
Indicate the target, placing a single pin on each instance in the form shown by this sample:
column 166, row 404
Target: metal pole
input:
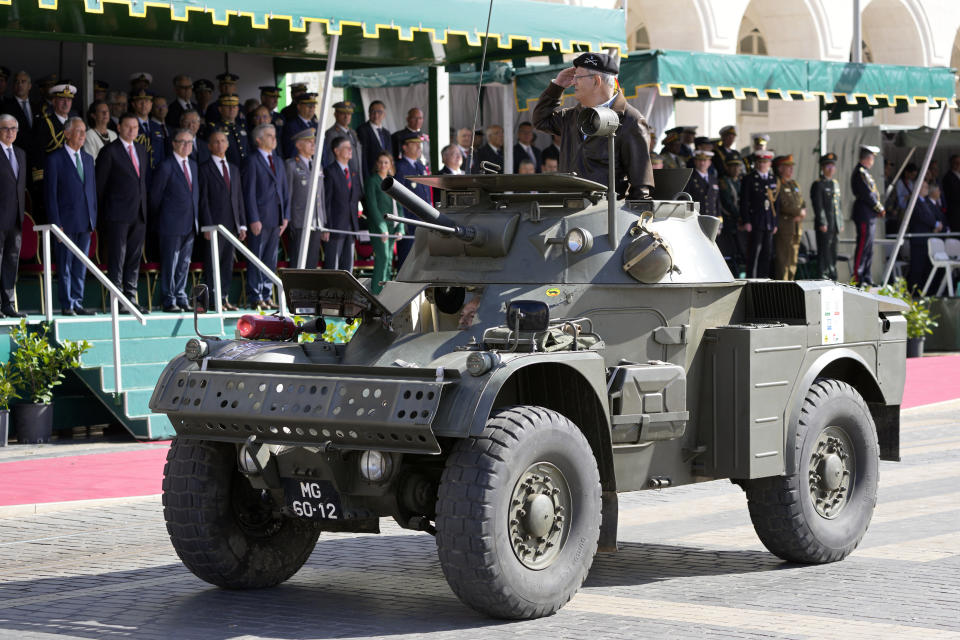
column 325, row 100
column 47, row 276
column 914, row 195
column 254, row 261
column 88, row 76
column 613, row 236
column 215, row 255
column 893, row 183
column 509, row 130
column 115, row 330
column 857, row 120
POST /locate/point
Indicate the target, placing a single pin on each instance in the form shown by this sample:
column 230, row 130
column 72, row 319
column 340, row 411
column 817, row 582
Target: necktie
column 186, row 173
column 25, row 105
column 272, row 169
column 226, row 173
column 133, row 159
column 346, row 173
column 79, row 165
column 13, row 162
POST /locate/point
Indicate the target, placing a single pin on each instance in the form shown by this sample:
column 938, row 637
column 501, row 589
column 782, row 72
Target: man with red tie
column 221, row 202
column 175, row 204
column 341, row 199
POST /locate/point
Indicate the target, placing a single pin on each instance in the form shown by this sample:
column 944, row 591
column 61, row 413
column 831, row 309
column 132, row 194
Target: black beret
column 598, row 62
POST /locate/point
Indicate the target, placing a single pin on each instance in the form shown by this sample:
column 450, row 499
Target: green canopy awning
column 695, row 75
column 371, row 31
column 405, row 76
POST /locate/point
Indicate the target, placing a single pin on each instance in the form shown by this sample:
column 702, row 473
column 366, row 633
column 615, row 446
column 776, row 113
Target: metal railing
column 215, row 231
column 116, row 296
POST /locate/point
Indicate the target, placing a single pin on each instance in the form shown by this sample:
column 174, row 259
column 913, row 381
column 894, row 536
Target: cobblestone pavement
column 690, row 566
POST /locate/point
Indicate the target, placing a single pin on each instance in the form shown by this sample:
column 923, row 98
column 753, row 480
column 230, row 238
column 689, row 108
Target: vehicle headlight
column 248, row 461
column 578, row 240
column 196, row 349
column 479, row 362
column 375, row 466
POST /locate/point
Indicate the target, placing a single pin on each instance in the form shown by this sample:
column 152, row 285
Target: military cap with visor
column 783, row 160
column 728, row 129
column 344, row 105
column 872, row 149
column 273, row 92
column 228, row 77
column 141, row 76
column 703, row 154
column 141, row 94
column 202, row 85
column 407, row 136
column 307, row 98
column 229, row 100
column 602, row 62
column 763, row 155
column 306, row 134
column 828, row 158
column 63, row 90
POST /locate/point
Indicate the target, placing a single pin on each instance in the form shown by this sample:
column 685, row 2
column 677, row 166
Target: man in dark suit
column 414, row 124
column 341, row 199
column 342, row 114
column 183, row 86
column 951, row 193
column 175, row 205
column 122, row 168
column 190, row 120
column 23, row 109
column 303, row 118
column 221, row 202
column 266, row 201
column 491, row 151
column 289, row 112
column 524, row 148
column 13, row 194
column 408, row 166
column 552, row 150
column 70, row 195
column 373, row 137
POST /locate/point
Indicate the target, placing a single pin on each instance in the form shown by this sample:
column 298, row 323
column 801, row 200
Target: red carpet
column 83, row 477
column 931, row 379
column 140, row 473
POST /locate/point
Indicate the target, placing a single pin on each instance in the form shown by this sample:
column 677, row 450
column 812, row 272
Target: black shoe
column 123, row 309
column 185, row 306
column 80, row 311
column 172, row 309
column 10, row 312
column 141, row 308
column 68, row 312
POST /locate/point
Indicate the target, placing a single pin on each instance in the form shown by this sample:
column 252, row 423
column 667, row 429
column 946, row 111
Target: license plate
column 312, row 499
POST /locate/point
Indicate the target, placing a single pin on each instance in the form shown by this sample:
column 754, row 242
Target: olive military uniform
column 825, row 200
column 790, row 205
column 729, row 239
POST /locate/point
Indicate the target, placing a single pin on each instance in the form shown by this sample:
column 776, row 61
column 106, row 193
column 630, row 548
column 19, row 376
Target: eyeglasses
column 182, row 141
column 583, row 75
column 9, row 128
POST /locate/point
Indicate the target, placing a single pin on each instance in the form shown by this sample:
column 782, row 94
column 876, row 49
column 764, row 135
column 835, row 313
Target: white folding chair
column 937, row 250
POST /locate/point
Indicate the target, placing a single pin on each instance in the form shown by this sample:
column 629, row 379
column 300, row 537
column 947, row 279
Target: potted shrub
column 920, row 323
column 39, row 367
column 8, row 392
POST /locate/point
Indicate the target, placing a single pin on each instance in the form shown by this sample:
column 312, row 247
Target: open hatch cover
column 329, row 293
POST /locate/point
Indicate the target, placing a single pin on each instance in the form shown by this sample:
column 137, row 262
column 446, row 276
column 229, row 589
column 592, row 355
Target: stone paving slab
column 689, row 566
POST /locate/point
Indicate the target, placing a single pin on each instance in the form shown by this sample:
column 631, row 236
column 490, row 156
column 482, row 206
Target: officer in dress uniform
column 729, row 241
column 150, row 133
column 725, row 150
column 203, row 96
column 671, row 154
column 791, row 210
column 825, row 200
column 758, row 215
column 867, row 207
column 703, row 186
column 289, row 112
column 270, row 97
column 48, row 127
column 228, row 87
column 299, row 170
column 228, row 106
column 304, row 117
column 760, row 142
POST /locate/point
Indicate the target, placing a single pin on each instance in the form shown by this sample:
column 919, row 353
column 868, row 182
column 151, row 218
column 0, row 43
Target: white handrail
column 116, row 296
column 218, row 229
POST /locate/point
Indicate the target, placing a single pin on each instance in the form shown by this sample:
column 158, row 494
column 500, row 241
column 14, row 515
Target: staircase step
column 137, row 351
column 133, row 376
column 136, row 402
column 158, row 326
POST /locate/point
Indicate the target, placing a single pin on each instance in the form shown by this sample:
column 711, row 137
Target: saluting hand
column 565, row 77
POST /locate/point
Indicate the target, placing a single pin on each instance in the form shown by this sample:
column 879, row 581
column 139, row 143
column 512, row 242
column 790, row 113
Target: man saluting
column 593, row 77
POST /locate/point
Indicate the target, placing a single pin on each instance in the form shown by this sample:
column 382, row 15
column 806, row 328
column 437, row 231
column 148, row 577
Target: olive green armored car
column 544, row 348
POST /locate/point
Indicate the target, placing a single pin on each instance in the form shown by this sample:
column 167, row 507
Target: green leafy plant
column 8, row 385
column 920, row 322
column 40, row 366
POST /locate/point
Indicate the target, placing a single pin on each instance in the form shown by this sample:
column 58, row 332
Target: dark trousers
column 175, row 255
column 759, row 253
column 264, row 246
column 124, row 250
column 404, row 246
column 9, row 263
column 338, row 252
column 827, row 253
column 313, row 248
column 71, row 272
column 919, row 265
column 226, row 251
column 863, row 256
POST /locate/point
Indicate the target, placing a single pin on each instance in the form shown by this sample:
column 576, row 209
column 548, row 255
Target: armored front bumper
column 384, row 408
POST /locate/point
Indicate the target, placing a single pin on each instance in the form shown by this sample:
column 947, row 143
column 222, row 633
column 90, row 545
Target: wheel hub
column 539, row 514
column 831, row 472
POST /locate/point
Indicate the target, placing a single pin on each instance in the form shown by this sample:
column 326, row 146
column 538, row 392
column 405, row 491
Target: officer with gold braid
column 228, row 108
column 49, row 128
column 149, row 133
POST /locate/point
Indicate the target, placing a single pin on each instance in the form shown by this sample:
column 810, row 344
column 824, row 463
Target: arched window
column 641, row 39
column 753, row 44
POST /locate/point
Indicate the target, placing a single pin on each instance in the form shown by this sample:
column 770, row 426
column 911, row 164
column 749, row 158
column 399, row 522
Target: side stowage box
column 751, row 371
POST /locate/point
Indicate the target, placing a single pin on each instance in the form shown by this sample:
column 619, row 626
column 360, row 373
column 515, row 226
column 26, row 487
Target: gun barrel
column 422, row 210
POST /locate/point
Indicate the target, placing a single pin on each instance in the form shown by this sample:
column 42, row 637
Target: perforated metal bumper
column 355, row 412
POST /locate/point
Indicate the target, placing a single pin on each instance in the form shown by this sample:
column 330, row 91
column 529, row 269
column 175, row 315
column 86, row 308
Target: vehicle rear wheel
column 221, row 527
column 518, row 514
column 821, row 509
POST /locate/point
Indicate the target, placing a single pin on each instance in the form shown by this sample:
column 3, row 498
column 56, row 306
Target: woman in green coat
column 376, row 206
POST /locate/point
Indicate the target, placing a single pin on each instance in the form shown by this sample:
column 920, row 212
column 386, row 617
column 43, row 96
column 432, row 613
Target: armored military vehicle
column 540, row 352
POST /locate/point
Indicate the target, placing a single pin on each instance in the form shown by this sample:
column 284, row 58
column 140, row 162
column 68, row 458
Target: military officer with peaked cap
column 270, row 97
column 760, row 141
column 758, row 215
column 228, row 87
column 703, row 186
column 867, row 207
column 725, row 150
column 593, row 77
column 791, row 210
column 299, row 171
column 827, row 215
column 202, row 95
column 289, row 112
column 228, row 121
column 48, row 129
column 304, row 117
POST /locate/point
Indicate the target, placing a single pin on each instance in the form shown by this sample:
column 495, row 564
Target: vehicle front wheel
column 819, row 511
column 518, row 514
column 221, row 527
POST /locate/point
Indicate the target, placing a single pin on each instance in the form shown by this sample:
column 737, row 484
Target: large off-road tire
column 518, row 514
column 819, row 511
column 221, row 527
